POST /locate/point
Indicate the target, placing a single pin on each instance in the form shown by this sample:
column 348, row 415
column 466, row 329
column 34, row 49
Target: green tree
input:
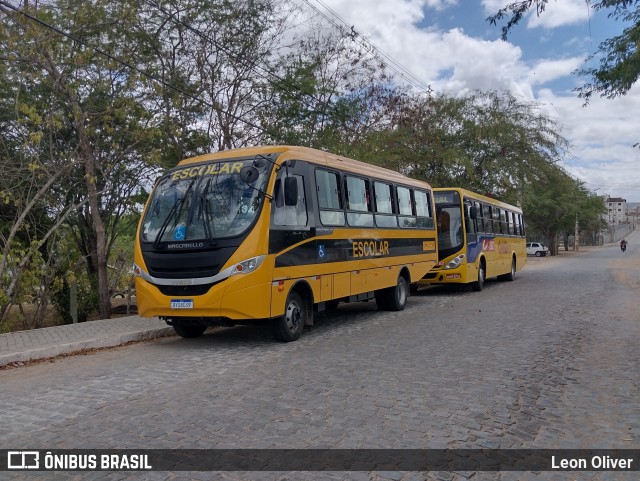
column 618, row 56
column 553, row 203
column 101, row 125
column 588, row 208
column 485, row 141
column 328, row 94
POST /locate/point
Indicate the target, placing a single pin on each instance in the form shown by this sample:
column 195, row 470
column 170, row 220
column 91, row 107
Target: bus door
column 290, row 219
column 471, row 227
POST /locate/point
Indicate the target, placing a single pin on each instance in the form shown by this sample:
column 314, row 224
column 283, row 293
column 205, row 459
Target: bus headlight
column 248, row 266
column 455, row 262
column 137, row 272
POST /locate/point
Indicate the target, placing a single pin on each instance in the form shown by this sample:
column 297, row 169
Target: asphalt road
column 550, row 360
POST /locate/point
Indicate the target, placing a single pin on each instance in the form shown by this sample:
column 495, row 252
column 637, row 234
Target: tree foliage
column 554, row 202
column 618, row 57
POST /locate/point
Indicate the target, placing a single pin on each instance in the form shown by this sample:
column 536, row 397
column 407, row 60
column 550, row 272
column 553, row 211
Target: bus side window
column 383, row 194
column 480, row 217
column 406, row 217
column 521, row 222
column 358, row 202
column 488, row 219
column 423, row 209
column 497, row 226
column 289, row 214
column 329, row 197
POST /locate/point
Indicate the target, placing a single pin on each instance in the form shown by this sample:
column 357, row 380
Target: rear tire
column 290, row 325
column 393, row 298
column 511, row 275
column 188, row 331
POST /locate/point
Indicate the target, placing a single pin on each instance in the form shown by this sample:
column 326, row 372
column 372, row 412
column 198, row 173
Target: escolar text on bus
column 370, row 248
column 211, row 169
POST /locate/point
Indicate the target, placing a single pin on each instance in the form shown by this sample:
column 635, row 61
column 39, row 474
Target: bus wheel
column 393, row 298
column 511, row 275
column 188, row 330
column 479, row 284
column 290, row 325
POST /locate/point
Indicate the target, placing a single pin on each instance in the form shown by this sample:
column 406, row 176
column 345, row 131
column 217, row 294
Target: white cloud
column 440, row 4
column 557, row 13
column 547, row 70
column 560, row 13
column 480, row 64
column 601, row 134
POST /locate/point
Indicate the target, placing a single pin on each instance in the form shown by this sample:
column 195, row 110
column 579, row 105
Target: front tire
column 539, row 254
column 188, row 331
column 290, row 325
column 479, row 284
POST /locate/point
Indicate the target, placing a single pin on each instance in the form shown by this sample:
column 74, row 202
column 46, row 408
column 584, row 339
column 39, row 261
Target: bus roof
column 479, row 197
column 315, row 156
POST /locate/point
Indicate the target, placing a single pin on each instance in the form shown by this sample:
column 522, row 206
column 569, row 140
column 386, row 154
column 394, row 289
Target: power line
column 394, row 65
column 237, row 59
column 391, row 60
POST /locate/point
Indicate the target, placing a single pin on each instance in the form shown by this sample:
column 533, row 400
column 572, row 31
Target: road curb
column 79, row 346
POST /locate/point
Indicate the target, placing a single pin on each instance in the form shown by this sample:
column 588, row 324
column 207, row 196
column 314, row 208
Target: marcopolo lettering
column 209, row 169
column 370, row 248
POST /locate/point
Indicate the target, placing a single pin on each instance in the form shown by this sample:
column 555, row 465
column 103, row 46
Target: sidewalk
column 23, row 346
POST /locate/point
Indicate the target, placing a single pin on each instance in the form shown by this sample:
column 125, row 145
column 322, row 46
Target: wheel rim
column 293, row 316
column 402, row 292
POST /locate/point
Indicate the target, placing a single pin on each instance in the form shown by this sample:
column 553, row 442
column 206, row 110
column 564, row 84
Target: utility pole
column 576, row 239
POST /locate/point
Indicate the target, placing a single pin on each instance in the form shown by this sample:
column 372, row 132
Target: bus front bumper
column 224, row 301
column 459, row 275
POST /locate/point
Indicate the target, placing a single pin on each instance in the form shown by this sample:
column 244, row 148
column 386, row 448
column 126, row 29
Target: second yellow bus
column 478, row 238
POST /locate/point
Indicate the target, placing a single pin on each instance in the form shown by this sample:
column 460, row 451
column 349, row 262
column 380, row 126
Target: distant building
column 633, row 212
column 617, row 211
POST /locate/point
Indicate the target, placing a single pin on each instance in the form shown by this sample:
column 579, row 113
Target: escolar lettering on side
column 370, row 248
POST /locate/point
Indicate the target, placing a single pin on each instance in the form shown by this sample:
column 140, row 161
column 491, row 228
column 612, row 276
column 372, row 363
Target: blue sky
column 449, row 45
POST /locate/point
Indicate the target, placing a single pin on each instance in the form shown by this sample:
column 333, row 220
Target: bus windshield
column 204, row 202
column 449, row 216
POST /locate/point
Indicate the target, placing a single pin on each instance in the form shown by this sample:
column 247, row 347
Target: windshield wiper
column 175, row 209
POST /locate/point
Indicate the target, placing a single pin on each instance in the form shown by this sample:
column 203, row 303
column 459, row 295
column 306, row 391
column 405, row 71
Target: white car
column 536, row 249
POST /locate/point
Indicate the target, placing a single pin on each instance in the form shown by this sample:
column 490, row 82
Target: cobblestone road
column 548, row 361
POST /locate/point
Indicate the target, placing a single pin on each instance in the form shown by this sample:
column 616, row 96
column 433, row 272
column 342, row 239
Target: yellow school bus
column 478, row 238
column 274, row 234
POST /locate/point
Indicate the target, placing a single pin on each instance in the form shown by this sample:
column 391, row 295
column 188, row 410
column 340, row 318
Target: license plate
column 181, row 303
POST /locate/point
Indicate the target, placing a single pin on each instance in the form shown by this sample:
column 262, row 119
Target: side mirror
column 290, row 191
column 249, row 174
column 473, row 212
